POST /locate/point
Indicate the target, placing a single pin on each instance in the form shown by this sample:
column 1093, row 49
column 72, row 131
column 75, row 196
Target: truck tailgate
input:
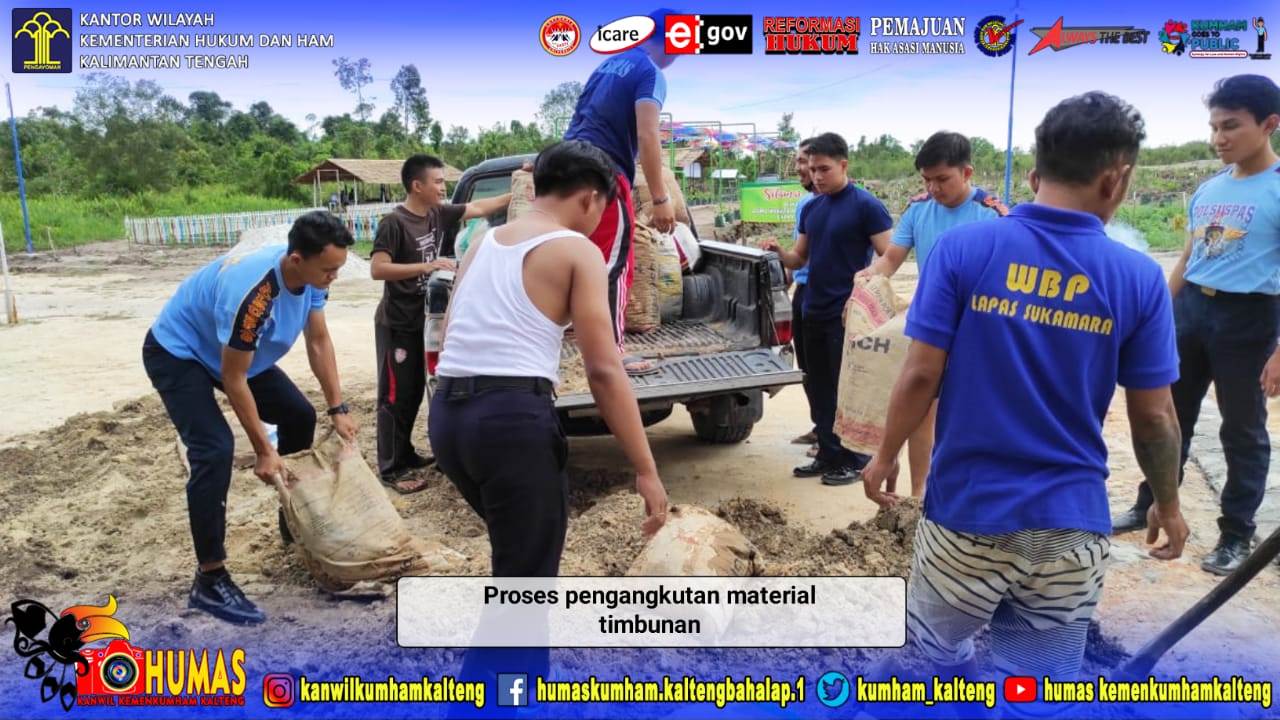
column 704, row 374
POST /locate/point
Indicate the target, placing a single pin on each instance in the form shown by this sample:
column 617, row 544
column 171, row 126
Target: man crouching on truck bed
column 493, row 424
column 618, row 113
column 225, row 327
column 406, row 251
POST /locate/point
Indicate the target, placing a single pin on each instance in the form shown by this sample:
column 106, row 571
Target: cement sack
column 670, row 279
column 695, row 542
column 875, row 347
column 643, row 199
column 688, row 247
column 344, row 524
column 521, row 194
column 643, row 314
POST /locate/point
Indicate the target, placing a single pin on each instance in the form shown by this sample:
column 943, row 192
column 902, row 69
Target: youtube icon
column 1019, row 689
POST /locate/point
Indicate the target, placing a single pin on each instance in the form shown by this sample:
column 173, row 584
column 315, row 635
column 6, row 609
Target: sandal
column 403, row 483
column 637, row 366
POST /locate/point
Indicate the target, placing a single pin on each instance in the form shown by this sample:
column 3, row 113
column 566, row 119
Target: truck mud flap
column 704, row 375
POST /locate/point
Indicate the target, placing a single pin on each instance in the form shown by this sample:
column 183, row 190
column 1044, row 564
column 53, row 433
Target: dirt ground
column 91, row 497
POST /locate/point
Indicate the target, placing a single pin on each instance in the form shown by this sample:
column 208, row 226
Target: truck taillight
column 433, row 359
column 782, row 329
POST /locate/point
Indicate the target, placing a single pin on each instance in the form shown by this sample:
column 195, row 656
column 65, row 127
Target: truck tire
column 727, row 419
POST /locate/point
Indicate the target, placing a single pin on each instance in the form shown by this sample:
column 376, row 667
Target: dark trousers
column 402, row 381
column 824, row 347
column 797, row 341
column 186, row 388
column 1226, row 340
column 505, row 452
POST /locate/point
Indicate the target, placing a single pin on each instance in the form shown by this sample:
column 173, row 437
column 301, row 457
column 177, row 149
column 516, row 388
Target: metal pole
column 17, row 161
column 1008, row 148
column 10, row 307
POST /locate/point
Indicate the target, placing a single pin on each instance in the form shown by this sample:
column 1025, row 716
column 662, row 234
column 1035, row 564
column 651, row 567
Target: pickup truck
column 729, row 348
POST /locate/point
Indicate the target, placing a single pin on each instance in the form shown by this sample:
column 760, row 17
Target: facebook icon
column 513, row 689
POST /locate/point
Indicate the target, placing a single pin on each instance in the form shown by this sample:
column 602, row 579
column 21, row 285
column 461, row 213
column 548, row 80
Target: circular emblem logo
column 833, row 689
column 560, row 35
column 993, row 37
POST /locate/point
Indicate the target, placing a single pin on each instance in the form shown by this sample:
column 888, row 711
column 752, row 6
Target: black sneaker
column 842, row 476
column 814, row 469
column 219, row 596
column 1227, row 555
column 1129, row 520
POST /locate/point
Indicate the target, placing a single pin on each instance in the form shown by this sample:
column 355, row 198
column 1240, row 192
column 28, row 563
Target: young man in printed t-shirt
column 225, row 327
column 618, row 112
column 1028, row 323
column 406, row 251
column 1226, row 290
column 949, row 201
column 838, row 230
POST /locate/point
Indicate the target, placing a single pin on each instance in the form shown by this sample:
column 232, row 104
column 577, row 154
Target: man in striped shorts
column 1034, row 318
column 618, row 113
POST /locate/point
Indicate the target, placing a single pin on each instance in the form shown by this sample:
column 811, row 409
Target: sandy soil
column 89, row 479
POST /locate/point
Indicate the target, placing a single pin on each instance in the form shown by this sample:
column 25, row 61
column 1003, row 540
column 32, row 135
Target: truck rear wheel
column 727, row 419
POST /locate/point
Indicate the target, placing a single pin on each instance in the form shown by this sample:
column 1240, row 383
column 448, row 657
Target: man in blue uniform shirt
column 1030, row 321
column 225, row 327
column 949, row 201
column 1226, row 290
column 838, row 230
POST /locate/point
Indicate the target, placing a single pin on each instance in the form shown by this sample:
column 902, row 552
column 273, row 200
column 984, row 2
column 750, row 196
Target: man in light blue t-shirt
column 1022, row 327
column 949, row 201
column 224, row 328
column 801, row 278
column 1226, row 290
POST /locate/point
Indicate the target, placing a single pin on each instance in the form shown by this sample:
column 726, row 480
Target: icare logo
column 622, row 34
column 560, row 35
column 708, row 34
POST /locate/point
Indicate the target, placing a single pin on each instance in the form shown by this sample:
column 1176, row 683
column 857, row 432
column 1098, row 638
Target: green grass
column 1163, row 225
column 74, row 221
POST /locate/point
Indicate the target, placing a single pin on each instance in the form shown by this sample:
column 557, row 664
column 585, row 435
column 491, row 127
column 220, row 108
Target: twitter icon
column 833, row 689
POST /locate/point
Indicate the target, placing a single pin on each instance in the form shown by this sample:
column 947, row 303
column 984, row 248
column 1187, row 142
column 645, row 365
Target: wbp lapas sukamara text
column 652, row 598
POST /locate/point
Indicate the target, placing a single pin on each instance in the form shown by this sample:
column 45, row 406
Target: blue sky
column 481, row 63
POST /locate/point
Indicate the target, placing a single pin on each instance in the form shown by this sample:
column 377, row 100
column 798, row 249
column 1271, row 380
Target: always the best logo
column 708, row 34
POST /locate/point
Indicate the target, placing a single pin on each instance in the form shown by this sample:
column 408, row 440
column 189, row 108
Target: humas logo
column 42, row 40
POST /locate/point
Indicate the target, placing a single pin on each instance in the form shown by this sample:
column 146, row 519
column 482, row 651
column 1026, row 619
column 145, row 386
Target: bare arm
column 235, row 383
column 647, row 115
column 486, row 207
column 912, row 396
column 381, row 267
column 888, row 263
column 1157, row 444
column 796, row 257
column 882, row 241
column 1177, row 276
column 589, row 311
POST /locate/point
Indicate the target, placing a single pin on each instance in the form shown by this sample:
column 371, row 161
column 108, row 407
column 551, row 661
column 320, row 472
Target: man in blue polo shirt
column 1029, row 322
column 1226, row 290
column 949, row 201
column 225, row 327
column 838, row 230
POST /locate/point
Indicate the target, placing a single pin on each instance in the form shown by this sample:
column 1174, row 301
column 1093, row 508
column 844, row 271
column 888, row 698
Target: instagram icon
column 277, row 690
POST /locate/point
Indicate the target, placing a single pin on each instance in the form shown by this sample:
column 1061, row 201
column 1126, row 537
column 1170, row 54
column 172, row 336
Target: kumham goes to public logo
column 42, row 29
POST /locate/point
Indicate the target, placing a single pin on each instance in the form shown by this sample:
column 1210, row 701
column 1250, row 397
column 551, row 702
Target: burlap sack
column 643, row 314
column 670, row 279
column 345, row 526
column 696, row 542
column 874, row 351
column 521, row 194
column 643, row 199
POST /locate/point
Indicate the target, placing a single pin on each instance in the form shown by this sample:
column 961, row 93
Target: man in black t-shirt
column 406, row 251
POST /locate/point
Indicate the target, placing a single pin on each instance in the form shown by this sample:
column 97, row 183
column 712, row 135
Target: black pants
column 505, row 452
column 186, row 388
column 797, row 341
column 1226, row 340
column 402, row 381
column 824, row 346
